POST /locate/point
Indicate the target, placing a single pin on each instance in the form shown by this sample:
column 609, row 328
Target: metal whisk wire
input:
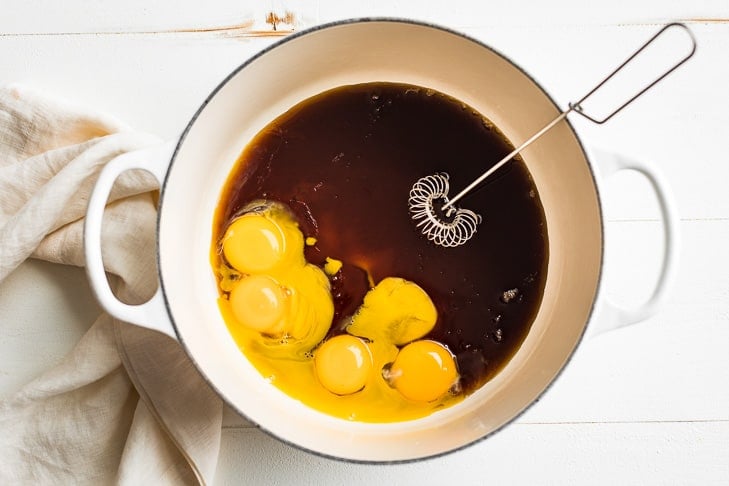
column 450, row 226
column 441, row 231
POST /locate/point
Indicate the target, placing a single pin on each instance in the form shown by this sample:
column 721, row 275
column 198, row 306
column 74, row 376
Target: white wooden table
column 648, row 404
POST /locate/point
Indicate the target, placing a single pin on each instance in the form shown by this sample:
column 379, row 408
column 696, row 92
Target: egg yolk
column 264, row 240
column 311, row 311
column 253, row 243
column 343, row 364
column 332, row 266
column 396, row 310
column 423, row 371
column 259, row 303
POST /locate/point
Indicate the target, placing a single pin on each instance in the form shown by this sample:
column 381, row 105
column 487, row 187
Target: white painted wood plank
column 226, row 17
column 521, row 454
column 48, row 16
column 462, row 13
column 153, row 83
column 156, row 82
column 673, row 366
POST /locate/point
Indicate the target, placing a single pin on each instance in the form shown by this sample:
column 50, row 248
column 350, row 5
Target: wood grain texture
column 135, row 16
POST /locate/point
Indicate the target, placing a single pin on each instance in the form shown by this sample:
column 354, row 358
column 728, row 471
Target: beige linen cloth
column 125, row 406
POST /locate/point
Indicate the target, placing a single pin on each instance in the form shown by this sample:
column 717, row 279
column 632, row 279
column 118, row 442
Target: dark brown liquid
column 345, row 161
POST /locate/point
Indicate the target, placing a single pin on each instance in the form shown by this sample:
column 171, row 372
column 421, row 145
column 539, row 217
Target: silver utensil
column 448, row 226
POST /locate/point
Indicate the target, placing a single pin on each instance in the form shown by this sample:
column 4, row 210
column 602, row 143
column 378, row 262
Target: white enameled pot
column 192, row 172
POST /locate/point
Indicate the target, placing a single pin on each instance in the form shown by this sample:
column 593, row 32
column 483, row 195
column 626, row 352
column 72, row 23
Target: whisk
column 448, row 226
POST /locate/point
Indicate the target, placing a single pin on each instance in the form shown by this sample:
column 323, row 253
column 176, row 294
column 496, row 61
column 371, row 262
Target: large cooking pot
column 194, row 170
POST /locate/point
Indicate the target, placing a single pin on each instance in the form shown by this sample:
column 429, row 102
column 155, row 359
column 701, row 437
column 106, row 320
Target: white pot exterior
column 268, row 85
column 355, row 53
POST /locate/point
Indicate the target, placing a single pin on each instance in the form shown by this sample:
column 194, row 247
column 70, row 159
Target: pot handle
column 612, row 315
column 153, row 313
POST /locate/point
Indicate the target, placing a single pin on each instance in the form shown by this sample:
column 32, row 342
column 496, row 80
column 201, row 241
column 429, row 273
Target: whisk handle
column 577, row 106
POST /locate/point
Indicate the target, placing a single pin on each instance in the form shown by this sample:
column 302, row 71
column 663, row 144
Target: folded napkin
column 126, row 405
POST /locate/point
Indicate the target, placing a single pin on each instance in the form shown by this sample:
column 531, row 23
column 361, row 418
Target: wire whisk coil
column 458, row 226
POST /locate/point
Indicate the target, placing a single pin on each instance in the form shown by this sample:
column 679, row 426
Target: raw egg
column 273, row 291
column 396, row 310
column 265, row 239
column 423, row 371
column 343, row 364
column 260, row 303
column 374, row 365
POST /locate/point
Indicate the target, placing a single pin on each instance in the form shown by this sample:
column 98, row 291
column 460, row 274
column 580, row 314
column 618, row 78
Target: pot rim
column 292, row 37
